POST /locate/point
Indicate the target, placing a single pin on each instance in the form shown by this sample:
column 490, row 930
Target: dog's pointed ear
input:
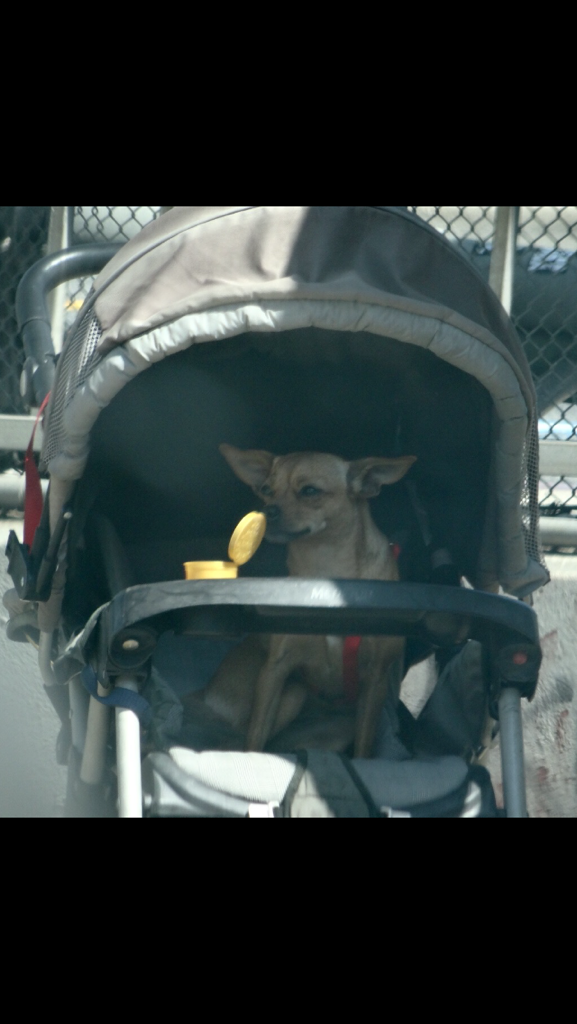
column 367, row 476
column 251, row 466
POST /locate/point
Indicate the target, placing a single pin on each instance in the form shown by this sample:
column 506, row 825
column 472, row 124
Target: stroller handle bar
column 32, row 310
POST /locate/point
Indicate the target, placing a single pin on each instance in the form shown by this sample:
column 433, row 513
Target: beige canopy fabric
column 201, row 274
column 196, row 258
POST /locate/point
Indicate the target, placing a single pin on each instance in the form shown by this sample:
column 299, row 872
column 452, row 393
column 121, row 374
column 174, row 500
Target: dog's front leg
column 284, row 657
column 376, row 657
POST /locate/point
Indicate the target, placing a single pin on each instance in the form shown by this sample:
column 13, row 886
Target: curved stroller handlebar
column 32, row 311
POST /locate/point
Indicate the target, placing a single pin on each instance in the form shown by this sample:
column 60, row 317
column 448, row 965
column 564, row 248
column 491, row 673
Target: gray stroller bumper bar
column 122, row 634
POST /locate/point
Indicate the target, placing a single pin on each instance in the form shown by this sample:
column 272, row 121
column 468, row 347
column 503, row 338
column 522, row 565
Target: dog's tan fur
column 318, row 505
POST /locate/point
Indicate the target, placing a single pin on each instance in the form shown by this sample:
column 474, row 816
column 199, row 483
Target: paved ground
column 33, row 785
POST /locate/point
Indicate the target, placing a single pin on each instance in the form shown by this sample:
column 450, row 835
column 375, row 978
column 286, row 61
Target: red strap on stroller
column 33, row 500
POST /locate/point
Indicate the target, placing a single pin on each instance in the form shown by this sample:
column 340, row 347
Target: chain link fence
column 543, row 311
column 23, row 241
column 100, row 224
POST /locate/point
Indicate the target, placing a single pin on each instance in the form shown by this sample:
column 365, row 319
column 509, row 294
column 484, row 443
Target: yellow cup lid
column 246, row 537
column 210, row 570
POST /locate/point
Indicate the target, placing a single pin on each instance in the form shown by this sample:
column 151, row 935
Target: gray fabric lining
column 404, row 784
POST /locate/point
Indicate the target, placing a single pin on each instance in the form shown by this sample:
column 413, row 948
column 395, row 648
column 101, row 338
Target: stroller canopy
column 364, row 313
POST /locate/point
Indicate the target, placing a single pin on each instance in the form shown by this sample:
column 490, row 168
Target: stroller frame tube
column 94, row 755
column 511, row 740
column 128, row 764
column 79, row 702
column 32, row 311
column 45, row 658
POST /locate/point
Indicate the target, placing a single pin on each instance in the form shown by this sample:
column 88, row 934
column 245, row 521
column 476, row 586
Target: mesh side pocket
column 76, row 363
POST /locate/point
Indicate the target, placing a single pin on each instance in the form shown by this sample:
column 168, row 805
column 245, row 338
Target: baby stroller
column 353, row 330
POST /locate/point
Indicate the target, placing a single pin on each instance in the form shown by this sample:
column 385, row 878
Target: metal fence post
column 502, row 269
column 58, row 239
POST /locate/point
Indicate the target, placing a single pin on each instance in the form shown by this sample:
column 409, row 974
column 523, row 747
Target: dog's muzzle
column 275, row 528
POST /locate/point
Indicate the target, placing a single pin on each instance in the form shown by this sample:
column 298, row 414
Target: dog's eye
column 309, row 491
column 266, row 491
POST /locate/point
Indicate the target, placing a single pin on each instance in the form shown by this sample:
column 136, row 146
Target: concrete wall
column 550, row 720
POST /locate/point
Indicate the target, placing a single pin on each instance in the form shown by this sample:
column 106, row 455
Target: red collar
column 351, row 667
column 351, row 656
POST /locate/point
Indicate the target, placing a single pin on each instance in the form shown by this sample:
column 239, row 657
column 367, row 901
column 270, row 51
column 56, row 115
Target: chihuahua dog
column 317, row 504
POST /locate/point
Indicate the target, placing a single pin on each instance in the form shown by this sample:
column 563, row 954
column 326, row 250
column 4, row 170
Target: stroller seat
column 312, row 784
column 178, row 780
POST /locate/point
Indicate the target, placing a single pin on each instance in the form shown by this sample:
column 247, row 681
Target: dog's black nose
column 272, row 512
